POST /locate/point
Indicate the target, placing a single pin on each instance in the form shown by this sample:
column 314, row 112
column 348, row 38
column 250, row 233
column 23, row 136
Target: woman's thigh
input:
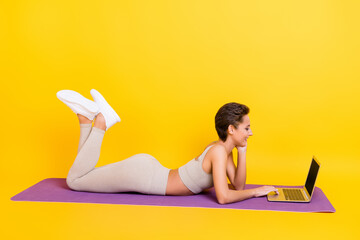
column 135, row 173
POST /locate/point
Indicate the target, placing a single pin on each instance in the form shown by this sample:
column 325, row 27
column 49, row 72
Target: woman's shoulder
column 217, row 150
column 214, row 143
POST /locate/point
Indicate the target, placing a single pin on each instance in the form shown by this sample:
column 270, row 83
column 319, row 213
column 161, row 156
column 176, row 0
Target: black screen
column 311, row 178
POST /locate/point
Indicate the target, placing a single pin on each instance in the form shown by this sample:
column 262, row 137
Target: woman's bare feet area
column 83, row 119
column 100, row 122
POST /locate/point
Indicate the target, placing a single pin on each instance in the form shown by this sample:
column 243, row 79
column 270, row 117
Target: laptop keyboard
column 293, row 194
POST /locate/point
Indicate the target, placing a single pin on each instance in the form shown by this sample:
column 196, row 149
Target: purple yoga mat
column 56, row 190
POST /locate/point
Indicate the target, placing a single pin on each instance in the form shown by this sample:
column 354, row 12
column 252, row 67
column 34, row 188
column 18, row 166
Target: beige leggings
column 140, row 173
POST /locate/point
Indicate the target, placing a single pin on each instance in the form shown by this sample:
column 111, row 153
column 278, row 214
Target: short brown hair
column 229, row 114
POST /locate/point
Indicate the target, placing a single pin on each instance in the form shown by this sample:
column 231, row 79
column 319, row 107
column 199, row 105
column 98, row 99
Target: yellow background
column 167, row 67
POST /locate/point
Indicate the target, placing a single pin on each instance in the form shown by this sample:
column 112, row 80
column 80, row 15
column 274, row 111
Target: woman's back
column 194, row 176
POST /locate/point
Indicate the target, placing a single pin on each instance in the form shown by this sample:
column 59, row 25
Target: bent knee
column 72, row 184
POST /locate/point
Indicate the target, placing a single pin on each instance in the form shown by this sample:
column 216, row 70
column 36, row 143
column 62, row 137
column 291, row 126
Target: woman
column 144, row 174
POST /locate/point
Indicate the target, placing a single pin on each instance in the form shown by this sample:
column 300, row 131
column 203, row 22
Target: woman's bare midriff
column 175, row 186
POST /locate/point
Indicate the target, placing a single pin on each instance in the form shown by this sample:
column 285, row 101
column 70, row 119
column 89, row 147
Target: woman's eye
column 247, row 129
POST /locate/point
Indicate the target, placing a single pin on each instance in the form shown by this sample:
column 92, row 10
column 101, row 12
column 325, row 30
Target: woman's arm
column 218, row 159
column 225, row 195
column 237, row 175
column 239, row 195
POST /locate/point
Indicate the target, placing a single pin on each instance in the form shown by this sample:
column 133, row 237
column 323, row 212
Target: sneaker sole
column 108, row 108
column 76, row 98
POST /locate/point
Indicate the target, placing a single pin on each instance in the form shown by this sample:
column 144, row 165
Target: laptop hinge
column 306, row 193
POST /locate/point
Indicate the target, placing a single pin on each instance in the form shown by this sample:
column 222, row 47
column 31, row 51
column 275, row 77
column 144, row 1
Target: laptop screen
column 311, row 178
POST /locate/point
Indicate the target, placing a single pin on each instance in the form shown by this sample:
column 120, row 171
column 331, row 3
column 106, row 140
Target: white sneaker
column 110, row 115
column 78, row 103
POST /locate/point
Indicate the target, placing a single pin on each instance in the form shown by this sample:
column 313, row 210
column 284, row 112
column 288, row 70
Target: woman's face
column 242, row 133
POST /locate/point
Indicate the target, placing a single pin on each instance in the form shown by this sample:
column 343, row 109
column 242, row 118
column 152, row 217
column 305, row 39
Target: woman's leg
column 89, row 148
column 139, row 173
column 85, row 129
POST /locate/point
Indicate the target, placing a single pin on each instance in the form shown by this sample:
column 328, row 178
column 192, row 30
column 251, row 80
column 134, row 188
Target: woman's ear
column 231, row 129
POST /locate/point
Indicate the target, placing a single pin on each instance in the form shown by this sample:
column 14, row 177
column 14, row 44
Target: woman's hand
column 262, row 191
column 242, row 149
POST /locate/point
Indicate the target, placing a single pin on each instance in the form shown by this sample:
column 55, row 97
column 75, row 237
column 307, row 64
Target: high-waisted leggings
column 139, row 173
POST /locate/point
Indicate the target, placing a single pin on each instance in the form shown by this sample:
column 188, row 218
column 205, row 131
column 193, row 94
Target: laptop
column 298, row 194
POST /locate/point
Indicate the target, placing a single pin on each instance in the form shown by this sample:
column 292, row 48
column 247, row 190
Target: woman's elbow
column 239, row 186
column 222, row 199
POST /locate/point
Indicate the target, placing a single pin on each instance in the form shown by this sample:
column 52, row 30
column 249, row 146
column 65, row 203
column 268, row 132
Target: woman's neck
column 228, row 144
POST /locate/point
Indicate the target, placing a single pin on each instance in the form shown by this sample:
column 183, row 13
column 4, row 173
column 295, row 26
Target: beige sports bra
column 193, row 175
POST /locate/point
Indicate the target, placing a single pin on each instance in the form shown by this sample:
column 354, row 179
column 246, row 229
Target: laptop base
column 273, row 197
